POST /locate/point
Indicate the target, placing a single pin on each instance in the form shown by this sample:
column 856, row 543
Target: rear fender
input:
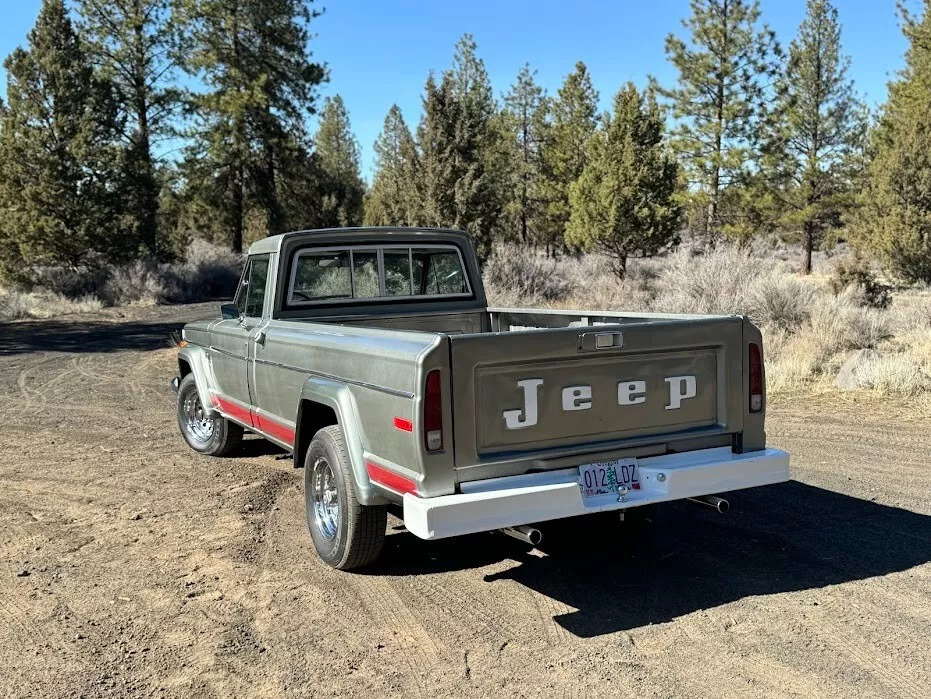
column 193, row 359
column 338, row 397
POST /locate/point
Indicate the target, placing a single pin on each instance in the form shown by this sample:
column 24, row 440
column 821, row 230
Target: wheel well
column 183, row 368
column 311, row 417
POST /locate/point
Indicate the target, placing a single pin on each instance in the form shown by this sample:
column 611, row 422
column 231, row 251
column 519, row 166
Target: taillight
column 756, row 379
column 433, row 413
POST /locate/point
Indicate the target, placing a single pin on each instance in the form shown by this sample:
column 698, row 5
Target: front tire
column 213, row 435
column 346, row 534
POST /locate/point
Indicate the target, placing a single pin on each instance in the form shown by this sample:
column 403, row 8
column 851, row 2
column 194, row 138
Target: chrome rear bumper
column 536, row 497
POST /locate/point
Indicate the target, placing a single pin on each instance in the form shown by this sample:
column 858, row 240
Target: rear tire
column 213, row 435
column 346, row 534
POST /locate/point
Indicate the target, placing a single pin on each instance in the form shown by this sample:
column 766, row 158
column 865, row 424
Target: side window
column 255, row 282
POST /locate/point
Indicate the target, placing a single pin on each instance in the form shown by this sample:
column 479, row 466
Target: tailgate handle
column 591, row 341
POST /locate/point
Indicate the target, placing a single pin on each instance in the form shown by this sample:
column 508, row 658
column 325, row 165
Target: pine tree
column 133, row 42
column 725, row 71
column 260, row 83
column 564, row 150
column 893, row 219
column 59, row 187
column 525, row 114
column 624, row 204
column 463, row 180
column 820, row 128
column 393, row 198
column 338, row 157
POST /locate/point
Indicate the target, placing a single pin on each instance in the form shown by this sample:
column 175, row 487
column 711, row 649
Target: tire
column 214, row 436
column 347, row 535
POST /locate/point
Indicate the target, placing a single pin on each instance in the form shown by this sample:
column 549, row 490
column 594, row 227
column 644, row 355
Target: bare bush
column 911, row 311
column 138, row 283
column 843, row 323
column 780, row 300
column 896, row 373
column 208, row 272
column 15, row 305
column 715, row 281
column 515, row 275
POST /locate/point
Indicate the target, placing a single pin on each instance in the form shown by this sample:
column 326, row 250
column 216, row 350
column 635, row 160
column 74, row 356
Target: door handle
column 260, row 338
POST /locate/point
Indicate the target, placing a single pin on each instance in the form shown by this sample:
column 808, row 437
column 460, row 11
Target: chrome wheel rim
column 325, row 498
column 199, row 425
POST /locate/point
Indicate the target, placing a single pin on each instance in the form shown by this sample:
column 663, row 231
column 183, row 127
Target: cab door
column 231, row 340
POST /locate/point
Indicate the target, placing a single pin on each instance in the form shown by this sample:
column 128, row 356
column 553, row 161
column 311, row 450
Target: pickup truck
column 372, row 356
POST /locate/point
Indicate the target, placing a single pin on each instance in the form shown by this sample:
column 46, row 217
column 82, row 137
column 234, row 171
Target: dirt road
column 131, row 567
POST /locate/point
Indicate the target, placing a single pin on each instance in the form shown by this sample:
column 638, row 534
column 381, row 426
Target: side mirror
column 230, row 311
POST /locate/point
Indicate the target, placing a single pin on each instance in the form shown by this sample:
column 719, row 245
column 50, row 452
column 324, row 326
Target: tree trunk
column 809, row 243
column 147, row 186
column 238, row 213
column 274, row 216
column 620, row 266
column 711, row 222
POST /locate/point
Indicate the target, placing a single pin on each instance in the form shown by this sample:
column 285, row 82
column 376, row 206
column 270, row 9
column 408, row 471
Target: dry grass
column 810, row 332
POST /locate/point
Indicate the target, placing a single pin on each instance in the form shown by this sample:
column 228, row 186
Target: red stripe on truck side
column 232, row 409
column 273, row 428
column 249, row 416
column 390, row 479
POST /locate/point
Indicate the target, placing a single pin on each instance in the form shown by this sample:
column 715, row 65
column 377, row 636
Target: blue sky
column 380, row 51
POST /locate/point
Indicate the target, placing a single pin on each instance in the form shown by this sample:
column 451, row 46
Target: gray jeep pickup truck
column 372, row 356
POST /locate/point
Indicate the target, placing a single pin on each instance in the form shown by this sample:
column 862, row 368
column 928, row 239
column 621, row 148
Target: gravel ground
column 132, row 567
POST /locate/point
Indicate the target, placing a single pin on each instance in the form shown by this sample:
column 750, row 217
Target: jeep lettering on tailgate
column 580, row 398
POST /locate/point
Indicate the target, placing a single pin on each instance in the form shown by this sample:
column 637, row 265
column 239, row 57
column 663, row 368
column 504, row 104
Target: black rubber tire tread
column 361, row 531
column 226, row 436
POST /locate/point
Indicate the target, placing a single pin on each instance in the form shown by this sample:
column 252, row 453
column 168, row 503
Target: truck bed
column 490, row 351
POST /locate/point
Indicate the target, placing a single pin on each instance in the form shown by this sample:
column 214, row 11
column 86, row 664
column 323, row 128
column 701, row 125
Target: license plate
column 604, row 477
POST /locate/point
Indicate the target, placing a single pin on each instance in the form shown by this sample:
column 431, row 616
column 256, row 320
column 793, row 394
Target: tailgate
column 529, row 395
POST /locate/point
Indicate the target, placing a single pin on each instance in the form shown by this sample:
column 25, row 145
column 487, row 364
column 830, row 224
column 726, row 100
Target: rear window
column 366, row 272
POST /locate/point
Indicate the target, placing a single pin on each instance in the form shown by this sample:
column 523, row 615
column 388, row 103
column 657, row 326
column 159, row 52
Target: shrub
column 896, row 374
column 851, row 271
column 911, row 312
column 15, row 305
column 138, row 283
column 208, row 272
column 715, row 281
column 514, row 275
column 780, row 300
column 844, row 324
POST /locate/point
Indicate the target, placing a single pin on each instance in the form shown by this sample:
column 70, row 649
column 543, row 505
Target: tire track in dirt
column 34, row 400
column 387, row 610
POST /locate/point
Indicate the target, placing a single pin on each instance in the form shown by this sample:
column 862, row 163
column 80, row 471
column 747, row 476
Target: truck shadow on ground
column 782, row 538
column 84, row 336
column 148, row 330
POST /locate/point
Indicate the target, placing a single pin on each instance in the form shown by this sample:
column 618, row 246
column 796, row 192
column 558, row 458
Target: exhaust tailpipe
column 527, row 534
column 720, row 504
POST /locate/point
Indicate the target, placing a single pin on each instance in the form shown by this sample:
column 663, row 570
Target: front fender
column 338, row 397
column 195, row 357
